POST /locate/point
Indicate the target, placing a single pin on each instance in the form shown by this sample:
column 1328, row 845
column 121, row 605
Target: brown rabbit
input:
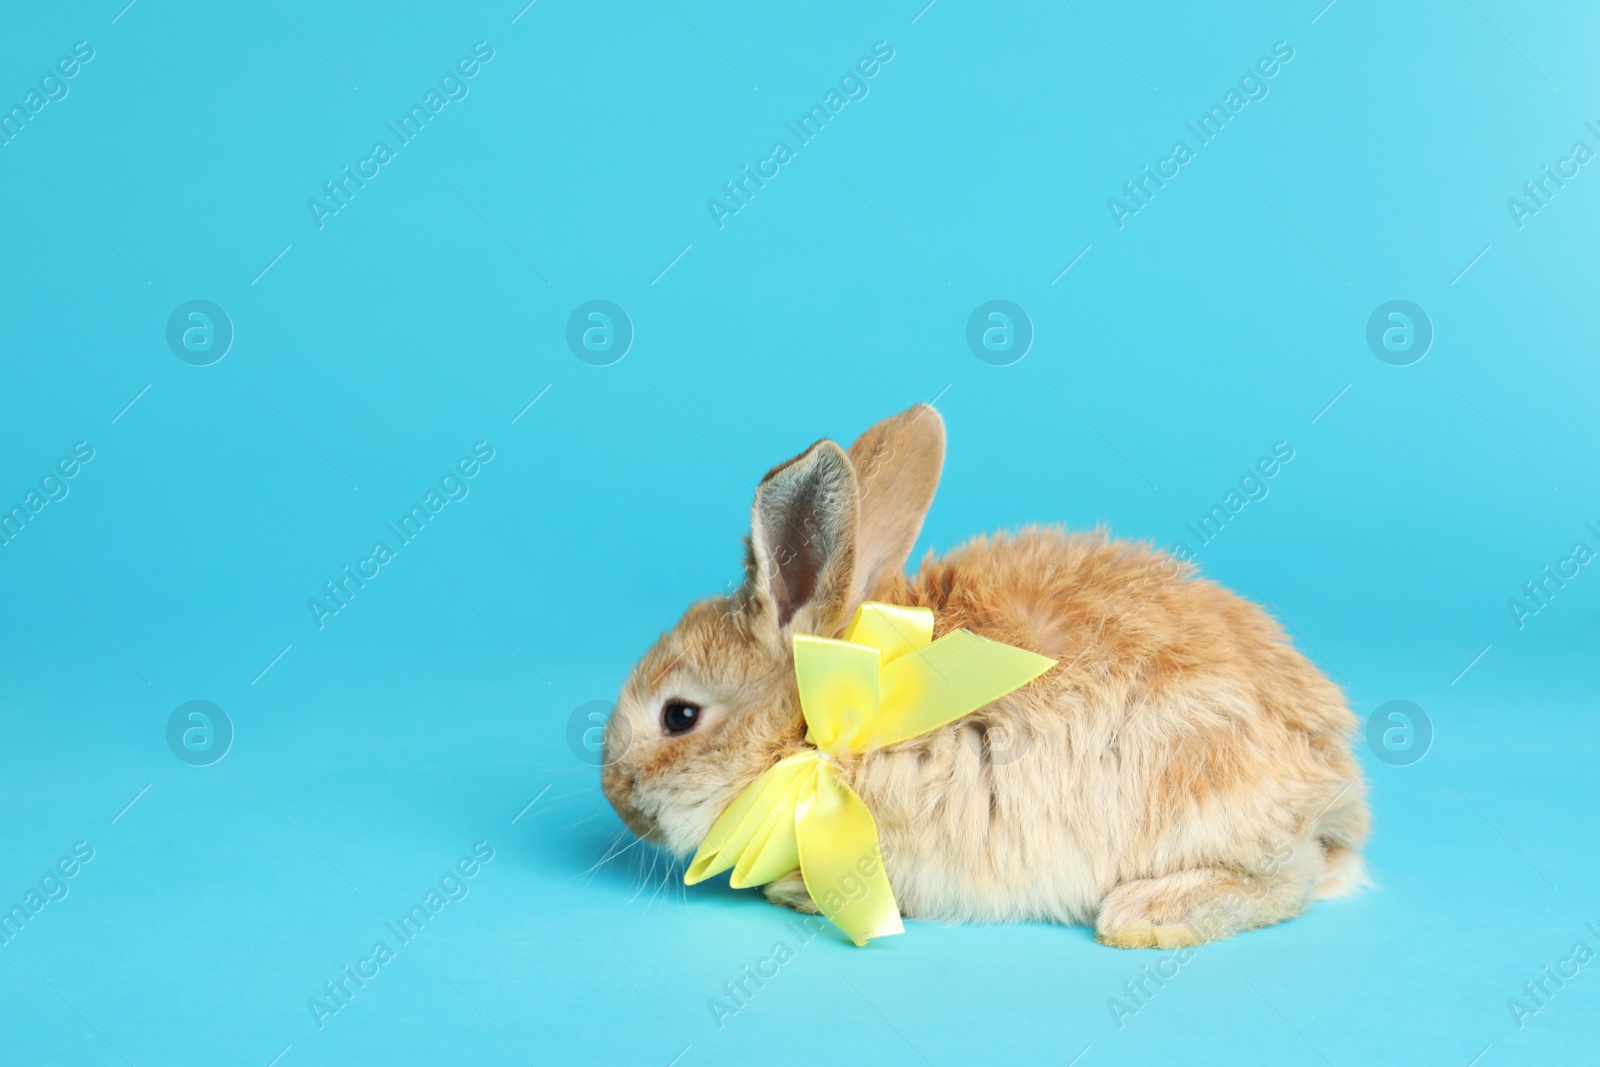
column 1181, row 775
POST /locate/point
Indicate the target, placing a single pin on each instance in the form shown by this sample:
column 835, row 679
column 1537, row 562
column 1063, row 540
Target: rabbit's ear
column 897, row 465
column 802, row 559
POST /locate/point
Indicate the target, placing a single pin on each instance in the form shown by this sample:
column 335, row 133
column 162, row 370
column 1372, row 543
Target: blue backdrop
column 284, row 282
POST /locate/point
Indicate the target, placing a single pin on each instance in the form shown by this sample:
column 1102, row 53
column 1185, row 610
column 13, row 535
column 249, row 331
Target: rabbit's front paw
column 790, row 892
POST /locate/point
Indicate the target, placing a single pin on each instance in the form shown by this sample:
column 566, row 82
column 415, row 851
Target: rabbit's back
column 1181, row 730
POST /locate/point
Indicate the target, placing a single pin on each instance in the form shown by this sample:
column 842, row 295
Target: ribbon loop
column 734, row 829
column 891, row 629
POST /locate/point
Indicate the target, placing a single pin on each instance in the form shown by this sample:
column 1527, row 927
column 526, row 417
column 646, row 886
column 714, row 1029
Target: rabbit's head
column 713, row 704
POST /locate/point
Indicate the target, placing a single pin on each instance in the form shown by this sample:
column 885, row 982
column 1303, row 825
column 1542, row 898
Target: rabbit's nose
column 616, row 783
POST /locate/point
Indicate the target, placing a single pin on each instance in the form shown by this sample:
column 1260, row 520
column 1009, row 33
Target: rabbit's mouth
column 618, row 786
column 639, row 824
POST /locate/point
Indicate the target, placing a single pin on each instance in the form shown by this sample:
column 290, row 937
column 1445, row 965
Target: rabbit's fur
column 1182, row 774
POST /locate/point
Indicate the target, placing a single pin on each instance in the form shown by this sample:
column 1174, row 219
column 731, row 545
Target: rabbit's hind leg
column 1191, row 907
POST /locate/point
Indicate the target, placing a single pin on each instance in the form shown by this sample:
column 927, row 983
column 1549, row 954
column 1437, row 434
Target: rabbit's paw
column 790, row 892
column 1176, row 911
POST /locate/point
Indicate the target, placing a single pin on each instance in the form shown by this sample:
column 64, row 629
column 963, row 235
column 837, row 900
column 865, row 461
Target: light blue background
column 428, row 714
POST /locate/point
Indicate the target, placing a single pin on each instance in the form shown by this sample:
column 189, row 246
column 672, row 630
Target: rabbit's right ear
column 802, row 558
column 897, row 464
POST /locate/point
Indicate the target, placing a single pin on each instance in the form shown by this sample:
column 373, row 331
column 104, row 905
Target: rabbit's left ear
column 897, row 465
column 801, row 562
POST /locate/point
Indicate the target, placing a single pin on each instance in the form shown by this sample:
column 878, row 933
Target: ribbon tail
column 955, row 676
column 840, row 859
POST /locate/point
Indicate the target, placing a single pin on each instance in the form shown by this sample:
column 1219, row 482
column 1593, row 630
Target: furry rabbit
column 1181, row 775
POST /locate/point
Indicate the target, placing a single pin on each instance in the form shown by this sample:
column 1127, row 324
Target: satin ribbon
column 885, row 682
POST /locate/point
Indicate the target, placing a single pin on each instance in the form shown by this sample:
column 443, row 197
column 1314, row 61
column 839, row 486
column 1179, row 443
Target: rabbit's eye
column 679, row 716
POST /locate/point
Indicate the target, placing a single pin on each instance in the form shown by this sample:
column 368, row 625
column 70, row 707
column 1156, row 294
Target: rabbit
column 1182, row 773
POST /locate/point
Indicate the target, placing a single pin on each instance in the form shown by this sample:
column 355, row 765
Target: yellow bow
column 887, row 681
